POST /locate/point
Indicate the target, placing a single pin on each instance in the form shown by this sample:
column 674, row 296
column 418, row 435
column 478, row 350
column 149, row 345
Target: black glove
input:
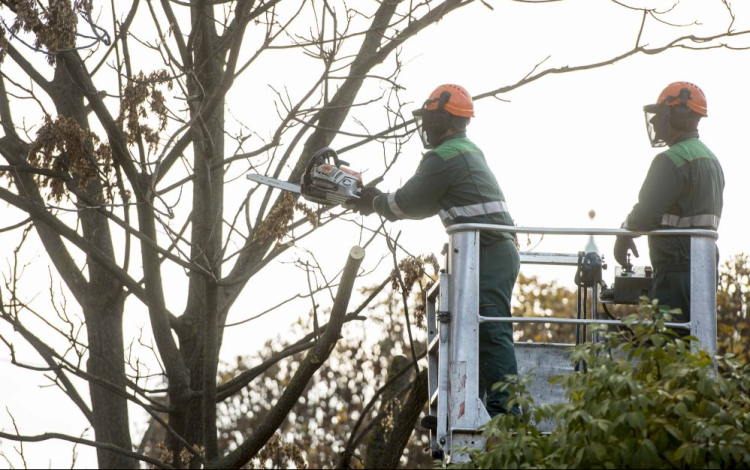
column 622, row 245
column 364, row 204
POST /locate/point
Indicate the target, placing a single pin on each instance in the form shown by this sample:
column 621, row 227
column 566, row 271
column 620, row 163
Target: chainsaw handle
column 323, row 155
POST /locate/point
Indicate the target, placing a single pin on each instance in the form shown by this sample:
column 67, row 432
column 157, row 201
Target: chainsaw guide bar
column 326, row 180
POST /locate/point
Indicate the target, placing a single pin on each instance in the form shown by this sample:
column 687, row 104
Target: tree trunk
column 106, row 361
column 377, row 440
column 404, row 426
column 103, row 307
column 199, row 332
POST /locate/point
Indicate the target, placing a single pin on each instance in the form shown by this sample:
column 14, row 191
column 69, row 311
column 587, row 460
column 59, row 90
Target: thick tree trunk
column 404, row 426
column 377, row 440
column 103, row 306
column 199, row 332
column 106, row 361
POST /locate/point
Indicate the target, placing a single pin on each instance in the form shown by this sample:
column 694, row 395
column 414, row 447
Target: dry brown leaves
column 3, row 44
column 142, row 91
column 280, row 453
column 276, row 225
column 166, row 456
column 413, row 269
column 62, row 146
column 54, row 26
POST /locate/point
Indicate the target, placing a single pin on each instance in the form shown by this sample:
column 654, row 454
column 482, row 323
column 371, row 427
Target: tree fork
column 312, row 362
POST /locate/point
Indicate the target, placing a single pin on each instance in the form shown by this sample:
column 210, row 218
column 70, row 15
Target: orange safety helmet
column 686, row 93
column 458, row 102
column 448, row 106
column 672, row 112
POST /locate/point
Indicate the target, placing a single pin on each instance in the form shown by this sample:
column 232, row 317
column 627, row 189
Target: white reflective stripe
column 394, row 207
column 705, row 220
column 484, row 208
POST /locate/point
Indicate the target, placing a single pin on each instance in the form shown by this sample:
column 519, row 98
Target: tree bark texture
column 377, row 441
column 404, row 426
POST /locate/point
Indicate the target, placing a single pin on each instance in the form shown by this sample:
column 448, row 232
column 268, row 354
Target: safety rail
column 453, row 328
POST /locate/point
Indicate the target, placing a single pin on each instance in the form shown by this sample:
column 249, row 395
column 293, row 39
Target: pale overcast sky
column 559, row 147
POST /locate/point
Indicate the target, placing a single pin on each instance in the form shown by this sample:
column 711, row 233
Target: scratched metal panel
column 544, row 360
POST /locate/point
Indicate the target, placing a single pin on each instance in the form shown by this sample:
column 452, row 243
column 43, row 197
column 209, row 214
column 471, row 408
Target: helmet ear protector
column 679, row 117
column 441, row 118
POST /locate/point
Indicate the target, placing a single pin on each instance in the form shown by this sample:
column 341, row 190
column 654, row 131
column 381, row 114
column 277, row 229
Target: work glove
column 364, row 204
column 622, row 245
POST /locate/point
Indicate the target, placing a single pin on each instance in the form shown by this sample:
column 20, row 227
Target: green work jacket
column 683, row 189
column 454, row 181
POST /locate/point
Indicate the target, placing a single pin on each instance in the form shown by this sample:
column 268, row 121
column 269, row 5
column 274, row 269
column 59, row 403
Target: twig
column 405, row 296
column 99, row 445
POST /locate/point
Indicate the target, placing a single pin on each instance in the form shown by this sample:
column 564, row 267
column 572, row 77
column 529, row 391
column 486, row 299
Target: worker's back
column 473, row 195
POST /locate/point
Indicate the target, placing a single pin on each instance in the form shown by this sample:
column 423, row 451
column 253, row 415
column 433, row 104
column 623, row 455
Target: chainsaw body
column 326, row 180
column 328, row 184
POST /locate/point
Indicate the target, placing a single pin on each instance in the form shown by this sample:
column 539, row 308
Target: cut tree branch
column 312, row 362
column 241, row 381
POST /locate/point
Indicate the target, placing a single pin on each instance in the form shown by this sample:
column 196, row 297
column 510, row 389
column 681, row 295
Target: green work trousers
column 498, row 269
column 672, row 288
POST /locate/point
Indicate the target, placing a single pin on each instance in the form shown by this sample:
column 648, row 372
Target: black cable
column 578, row 316
column 579, row 306
column 585, row 311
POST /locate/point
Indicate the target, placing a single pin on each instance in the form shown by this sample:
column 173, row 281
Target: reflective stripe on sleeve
column 484, row 208
column 394, row 207
column 704, row 220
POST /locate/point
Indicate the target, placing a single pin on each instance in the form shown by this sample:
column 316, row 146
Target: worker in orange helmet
column 683, row 190
column 454, row 181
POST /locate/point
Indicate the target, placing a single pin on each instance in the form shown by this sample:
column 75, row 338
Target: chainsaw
column 326, row 180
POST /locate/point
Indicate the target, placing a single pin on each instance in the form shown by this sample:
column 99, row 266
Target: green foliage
column 534, row 297
column 732, row 301
column 649, row 401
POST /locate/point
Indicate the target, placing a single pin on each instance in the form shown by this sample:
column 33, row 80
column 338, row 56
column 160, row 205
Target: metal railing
column 453, row 330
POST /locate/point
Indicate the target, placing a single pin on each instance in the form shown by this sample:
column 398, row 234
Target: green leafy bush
column 646, row 401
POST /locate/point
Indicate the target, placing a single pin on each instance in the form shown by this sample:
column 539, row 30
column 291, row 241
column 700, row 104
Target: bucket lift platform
column 453, row 330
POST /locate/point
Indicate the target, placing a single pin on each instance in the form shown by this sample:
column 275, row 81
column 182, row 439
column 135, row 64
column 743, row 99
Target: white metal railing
column 453, row 330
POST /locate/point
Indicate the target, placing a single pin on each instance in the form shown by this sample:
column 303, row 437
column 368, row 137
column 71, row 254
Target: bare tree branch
column 677, row 43
column 241, row 381
column 349, row 449
column 307, row 368
column 99, row 445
